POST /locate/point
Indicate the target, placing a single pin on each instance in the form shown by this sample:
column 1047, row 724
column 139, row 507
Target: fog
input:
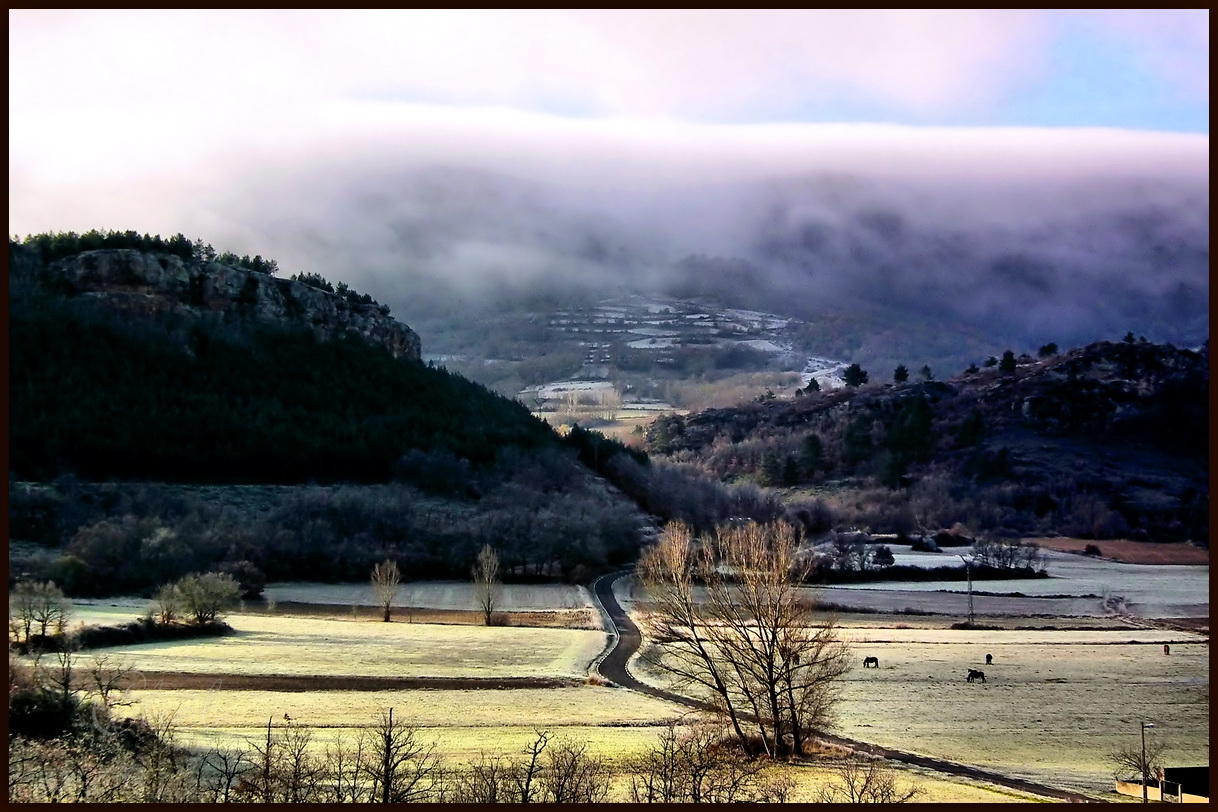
column 1034, row 235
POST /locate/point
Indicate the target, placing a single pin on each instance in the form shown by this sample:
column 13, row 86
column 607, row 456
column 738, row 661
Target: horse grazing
column 871, row 662
column 974, row 675
column 1166, row 649
column 989, row 659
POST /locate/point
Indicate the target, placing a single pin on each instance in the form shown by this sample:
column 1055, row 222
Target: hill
column 138, row 364
column 176, row 412
column 1104, row 441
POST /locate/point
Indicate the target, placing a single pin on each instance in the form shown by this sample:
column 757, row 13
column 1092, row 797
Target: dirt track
column 613, row 668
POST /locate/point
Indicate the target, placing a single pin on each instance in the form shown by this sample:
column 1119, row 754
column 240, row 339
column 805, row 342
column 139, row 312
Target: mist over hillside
column 920, row 187
column 1011, row 239
column 1070, row 259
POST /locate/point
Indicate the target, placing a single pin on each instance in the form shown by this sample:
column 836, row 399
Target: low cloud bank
column 1069, row 235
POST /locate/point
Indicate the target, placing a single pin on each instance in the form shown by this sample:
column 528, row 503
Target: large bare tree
column 733, row 622
column 487, row 587
column 385, row 582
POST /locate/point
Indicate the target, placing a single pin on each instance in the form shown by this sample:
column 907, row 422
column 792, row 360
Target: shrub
column 205, row 596
column 882, row 556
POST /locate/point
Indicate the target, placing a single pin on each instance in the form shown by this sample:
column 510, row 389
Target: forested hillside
column 111, row 392
column 1104, row 441
column 164, row 422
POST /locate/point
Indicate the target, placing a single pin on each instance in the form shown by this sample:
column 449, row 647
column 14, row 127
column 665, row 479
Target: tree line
column 541, row 509
column 56, row 245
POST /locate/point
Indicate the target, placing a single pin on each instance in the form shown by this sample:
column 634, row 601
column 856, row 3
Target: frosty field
column 436, row 595
column 309, row 646
column 1054, row 705
column 1153, row 591
column 1068, row 685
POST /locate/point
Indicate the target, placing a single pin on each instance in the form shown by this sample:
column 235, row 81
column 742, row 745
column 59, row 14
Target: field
column 457, row 595
column 295, row 646
column 1069, row 683
column 336, row 654
column 1131, row 552
column 541, row 605
column 1054, row 705
column 1064, row 690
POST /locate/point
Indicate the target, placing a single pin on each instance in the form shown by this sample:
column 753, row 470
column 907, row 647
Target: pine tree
column 854, row 375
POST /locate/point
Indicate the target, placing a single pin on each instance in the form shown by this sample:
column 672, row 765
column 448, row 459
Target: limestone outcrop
column 147, row 282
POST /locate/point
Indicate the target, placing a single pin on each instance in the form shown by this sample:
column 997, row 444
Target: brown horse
column 976, row 676
column 989, row 659
column 871, row 662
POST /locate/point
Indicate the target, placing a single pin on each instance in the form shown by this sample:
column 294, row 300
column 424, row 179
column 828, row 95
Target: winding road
column 626, row 641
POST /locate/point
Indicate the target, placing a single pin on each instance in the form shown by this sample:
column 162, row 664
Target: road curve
column 628, row 639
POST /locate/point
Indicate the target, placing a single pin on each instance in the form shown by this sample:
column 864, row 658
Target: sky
column 316, row 136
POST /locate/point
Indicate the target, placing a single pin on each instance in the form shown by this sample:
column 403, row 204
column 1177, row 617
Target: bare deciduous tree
column 696, row 765
column 37, row 608
column 571, row 775
column 487, row 587
column 399, row 768
column 525, row 775
column 1009, row 554
column 167, row 605
column 733, row 623
column 1132, row 761
column 547, row 771
column 860, row 779
column 218, row 772
column 385, row 582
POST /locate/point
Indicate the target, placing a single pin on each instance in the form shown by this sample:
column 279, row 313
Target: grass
column 613, row 724
column 1061, row 694
column 311, row 646
column 456, row 595
column 583, row 707
column 1055, row 705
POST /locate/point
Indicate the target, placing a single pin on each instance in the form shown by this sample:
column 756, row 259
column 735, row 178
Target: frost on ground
column 436, row 595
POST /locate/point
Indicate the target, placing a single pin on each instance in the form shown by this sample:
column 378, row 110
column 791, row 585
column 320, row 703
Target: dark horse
column 975, row 675
column 989, row 659
column 871, row 662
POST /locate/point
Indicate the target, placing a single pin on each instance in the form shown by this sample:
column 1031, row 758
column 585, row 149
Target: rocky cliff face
column 154, row 283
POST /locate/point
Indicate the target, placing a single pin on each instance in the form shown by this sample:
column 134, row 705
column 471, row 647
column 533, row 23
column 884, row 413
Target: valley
column 624, row 417
column 624, row 360
column 1071, row 681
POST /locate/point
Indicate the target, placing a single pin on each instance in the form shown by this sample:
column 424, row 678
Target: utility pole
column 968, row 568
column 1145, row 766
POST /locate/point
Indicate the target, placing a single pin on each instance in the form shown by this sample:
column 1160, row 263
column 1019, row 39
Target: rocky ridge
column 151, row 283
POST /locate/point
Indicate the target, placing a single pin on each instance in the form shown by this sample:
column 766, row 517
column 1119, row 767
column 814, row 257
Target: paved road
column 613, row 668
